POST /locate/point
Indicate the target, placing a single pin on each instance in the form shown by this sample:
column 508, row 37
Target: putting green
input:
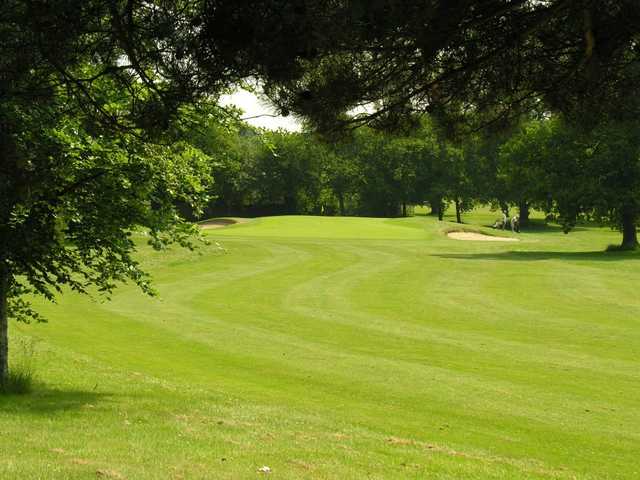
column 343, row 348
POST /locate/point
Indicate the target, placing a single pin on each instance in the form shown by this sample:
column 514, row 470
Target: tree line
column 537, row 163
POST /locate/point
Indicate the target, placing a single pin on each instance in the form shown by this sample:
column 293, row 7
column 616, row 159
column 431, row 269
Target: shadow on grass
column 45, row 401
column 538, row 226
column 533, row 256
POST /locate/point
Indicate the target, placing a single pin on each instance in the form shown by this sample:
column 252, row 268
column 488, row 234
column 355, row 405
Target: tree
column 594, row 176
column 451, row 165
column 287, row 174
column 233, row 148
column 89, row 93
column 340, row 174
column 405, row 155
column 68, row 217
column 523, row 167
column 387, row 166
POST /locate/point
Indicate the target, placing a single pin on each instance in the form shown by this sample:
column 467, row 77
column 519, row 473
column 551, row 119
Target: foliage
column 79, row 195
column 576, row 174
column 498, row 58
column 287, row 173
column 366, row 173
column 89, row 94
column 597, row 175
column 521, row 172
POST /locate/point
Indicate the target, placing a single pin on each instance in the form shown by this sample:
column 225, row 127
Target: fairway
column 343, row 348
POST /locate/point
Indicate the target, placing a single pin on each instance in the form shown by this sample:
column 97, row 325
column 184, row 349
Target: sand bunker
column 479, row 237
column 221, row 222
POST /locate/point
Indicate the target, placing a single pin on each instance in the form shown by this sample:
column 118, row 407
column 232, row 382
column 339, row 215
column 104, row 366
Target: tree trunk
column 523, row 211
column 458, row 212
column 436, row 205
column 290, row 204
column 548, row 209
column 404, row 209
column 341, row 203
column 4, row 324
column 629, row 232
column 7, row 164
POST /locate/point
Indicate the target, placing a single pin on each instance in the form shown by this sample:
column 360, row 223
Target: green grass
column 344, row 348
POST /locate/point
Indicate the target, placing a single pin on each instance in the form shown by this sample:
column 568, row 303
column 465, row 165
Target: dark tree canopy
column 497, row 57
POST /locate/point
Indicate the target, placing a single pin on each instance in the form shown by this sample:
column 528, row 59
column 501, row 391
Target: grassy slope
column 344, row 348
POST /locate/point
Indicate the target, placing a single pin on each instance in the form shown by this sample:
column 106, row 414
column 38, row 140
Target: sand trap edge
column 479, row 237
column 221, row 222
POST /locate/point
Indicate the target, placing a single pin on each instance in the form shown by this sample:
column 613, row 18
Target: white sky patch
column 259, row 112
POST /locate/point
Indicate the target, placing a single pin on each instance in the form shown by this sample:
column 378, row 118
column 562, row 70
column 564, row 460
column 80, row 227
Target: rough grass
column 21, row 377
column 18, row 382
column 344, row 348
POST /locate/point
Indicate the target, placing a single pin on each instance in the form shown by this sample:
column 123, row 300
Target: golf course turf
column 342, row 348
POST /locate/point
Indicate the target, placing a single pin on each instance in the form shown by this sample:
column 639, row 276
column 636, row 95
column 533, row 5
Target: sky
column 252, row 106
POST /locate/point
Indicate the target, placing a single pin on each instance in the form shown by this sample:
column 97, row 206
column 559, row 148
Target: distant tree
column 233, row 148
column 465, row 178
column 596, row 175
column 376, row 193
column 390, row 171
column 452, row 166
column 340, row 175
column 523, row 170
column 288, row 173
column 406, row 156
